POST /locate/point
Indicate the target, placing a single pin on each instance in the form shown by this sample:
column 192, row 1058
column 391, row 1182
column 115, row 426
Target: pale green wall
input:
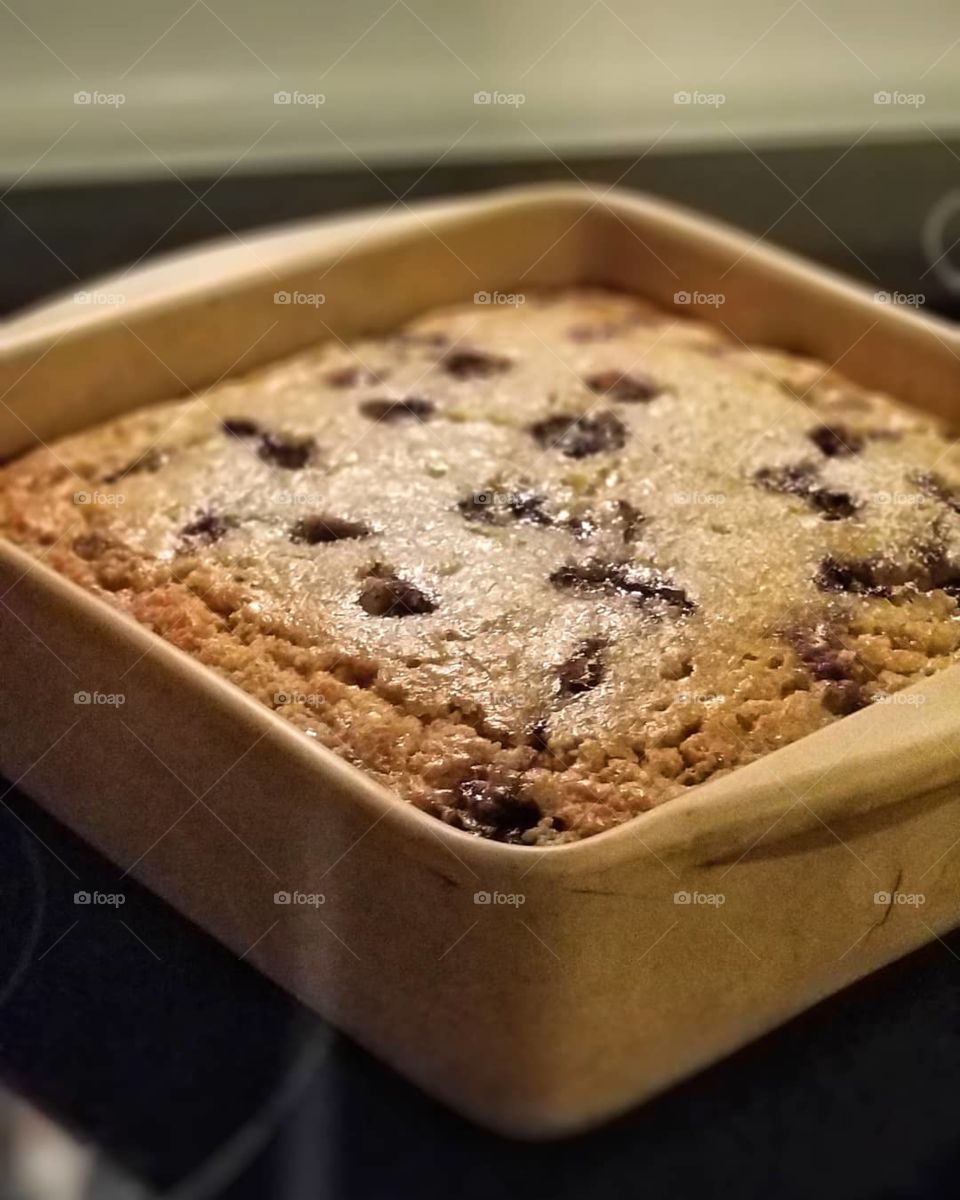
column 399, row 79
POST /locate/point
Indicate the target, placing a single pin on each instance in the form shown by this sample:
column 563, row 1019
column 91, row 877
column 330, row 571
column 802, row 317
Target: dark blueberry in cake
column 390, row 596
column 353, row 376
column 240, row 427
column 823, row 653
column 794, row 480
column 630, row 517
column 290, row 453
column 581, row 525
column 860, row 577
column 800, row 479
column 937, row 488
column 391, row 412
column 844, row 697
column 583, row 670
column 492, row 811
column 929, row 569
column 643, row 584
column 474, row 364
column 943, row 574
column 494, row 508
column 151, row 460
column 630, row 389
column 589, row 576
column 208, row 527
column 528, row 508
column 89, row 546
column 483, row 507
column 579, row 437
column 324, row 528
column 538, row 736
column 832, row 506
column 836, row 441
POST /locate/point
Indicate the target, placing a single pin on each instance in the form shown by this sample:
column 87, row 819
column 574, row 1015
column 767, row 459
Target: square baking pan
column 537, row 991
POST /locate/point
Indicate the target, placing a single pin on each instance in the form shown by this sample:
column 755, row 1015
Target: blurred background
column 139, row 1058
column 135, row 129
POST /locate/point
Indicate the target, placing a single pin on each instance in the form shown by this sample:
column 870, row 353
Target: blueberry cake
column 538, row 568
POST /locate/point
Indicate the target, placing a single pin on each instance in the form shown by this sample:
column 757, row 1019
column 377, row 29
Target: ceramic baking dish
column 537, row 991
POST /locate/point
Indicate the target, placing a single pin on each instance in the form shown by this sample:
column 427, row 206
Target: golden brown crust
column 538, row 568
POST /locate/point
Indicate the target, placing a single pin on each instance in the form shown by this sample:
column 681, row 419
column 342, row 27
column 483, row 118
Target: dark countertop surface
column 200, row 1078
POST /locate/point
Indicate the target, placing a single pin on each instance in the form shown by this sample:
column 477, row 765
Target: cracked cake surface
column 538, row 568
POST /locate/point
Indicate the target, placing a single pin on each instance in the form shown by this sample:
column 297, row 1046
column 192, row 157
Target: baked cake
column 536, row 567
